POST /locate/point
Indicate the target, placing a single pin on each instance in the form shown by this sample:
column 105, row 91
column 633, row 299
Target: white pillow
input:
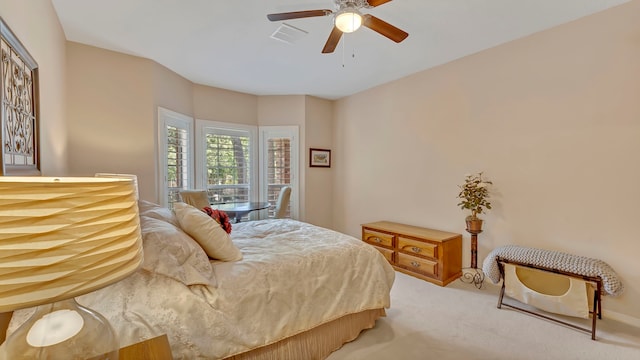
column 156, row 211
column 171, row 252
column 207, row 232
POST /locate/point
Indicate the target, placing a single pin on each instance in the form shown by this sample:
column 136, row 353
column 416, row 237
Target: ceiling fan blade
column 384, row 28
column 374, row 3
column 332, row 41
column 298, row 14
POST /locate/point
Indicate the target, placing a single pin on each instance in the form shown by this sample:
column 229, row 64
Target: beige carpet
column 426, row 321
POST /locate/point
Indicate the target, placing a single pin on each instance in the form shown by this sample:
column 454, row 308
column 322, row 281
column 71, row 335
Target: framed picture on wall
column 20, row 107
column 319, row 157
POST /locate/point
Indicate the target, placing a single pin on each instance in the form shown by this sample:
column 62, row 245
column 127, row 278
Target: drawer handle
column 378, row 240
column 416, row 249
column 415, row 264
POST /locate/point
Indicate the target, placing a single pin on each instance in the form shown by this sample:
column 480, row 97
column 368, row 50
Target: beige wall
column 553, row 119
column 110, row 115
column 281, row 110
column 318, row 134
column 36, row 25
column 224, row 105
column 171, row 91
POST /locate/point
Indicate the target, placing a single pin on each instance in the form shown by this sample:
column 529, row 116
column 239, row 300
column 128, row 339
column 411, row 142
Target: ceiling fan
column 347, row 18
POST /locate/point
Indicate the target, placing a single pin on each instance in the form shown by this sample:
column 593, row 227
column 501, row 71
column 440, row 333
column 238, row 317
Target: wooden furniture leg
column 474, row 250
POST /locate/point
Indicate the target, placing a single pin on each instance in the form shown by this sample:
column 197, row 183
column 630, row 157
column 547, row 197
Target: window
column 225, row 161
column 279, row 165
column 175, row 133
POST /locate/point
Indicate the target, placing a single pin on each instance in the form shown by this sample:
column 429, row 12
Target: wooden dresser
column 428, row 254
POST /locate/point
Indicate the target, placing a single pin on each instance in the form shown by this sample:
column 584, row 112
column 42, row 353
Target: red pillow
column 220, row 217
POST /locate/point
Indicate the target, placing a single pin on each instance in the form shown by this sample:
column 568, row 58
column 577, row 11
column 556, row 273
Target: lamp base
column 63, row 330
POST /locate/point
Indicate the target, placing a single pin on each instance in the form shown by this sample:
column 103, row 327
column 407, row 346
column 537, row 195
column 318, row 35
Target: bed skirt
column 317, row 343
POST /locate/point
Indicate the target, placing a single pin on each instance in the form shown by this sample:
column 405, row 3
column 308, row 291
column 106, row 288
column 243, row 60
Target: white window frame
column 204, row 127
column 292, row 132
column 166, row 118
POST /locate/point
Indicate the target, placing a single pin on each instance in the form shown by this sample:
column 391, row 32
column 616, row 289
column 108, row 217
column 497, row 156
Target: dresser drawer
column 387, row 253
column 416, row 247
column 377, row 238
column 417, row 264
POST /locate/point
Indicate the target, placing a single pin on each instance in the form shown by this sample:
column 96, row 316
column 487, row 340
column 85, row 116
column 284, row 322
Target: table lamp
column 61, row 238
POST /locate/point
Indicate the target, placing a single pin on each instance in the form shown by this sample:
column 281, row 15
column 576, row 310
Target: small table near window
column 238, row 210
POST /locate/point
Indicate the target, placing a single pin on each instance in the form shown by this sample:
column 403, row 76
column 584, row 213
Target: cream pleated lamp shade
column 64, row 237
column 124, row 176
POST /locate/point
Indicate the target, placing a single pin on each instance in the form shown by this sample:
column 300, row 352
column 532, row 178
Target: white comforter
column 293, row 276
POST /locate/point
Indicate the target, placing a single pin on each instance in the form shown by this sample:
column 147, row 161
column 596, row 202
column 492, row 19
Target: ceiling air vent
column 287, row 33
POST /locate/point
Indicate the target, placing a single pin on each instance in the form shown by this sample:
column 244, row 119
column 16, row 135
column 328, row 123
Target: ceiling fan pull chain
column 343, row 45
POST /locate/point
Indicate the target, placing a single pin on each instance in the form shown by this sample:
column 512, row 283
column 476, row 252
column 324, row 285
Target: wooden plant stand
column 473, row 275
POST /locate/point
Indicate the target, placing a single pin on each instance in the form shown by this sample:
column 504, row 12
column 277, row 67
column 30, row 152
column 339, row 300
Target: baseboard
column 629, row 320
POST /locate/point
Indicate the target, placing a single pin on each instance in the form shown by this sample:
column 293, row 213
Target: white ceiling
column 227, row 44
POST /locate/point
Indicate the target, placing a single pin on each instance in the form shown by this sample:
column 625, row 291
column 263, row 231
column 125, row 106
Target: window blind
column 177, row 161
column 228, row 166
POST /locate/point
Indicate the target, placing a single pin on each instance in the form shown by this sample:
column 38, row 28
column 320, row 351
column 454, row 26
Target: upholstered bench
column 552, row 281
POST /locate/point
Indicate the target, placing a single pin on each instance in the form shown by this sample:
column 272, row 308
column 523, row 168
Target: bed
column 299, row 291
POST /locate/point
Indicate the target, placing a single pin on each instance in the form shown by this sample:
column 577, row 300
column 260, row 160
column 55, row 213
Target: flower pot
column 474, row 224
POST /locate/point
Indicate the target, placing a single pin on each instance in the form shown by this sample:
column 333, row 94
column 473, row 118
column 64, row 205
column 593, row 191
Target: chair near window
column 282, row 203
column 196, row 198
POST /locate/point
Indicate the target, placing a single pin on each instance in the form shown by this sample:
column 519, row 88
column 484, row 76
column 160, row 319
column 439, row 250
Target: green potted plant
column 474, row 194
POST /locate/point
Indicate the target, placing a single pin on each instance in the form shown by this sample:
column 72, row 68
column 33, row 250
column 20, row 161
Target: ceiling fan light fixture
column 348, row 20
